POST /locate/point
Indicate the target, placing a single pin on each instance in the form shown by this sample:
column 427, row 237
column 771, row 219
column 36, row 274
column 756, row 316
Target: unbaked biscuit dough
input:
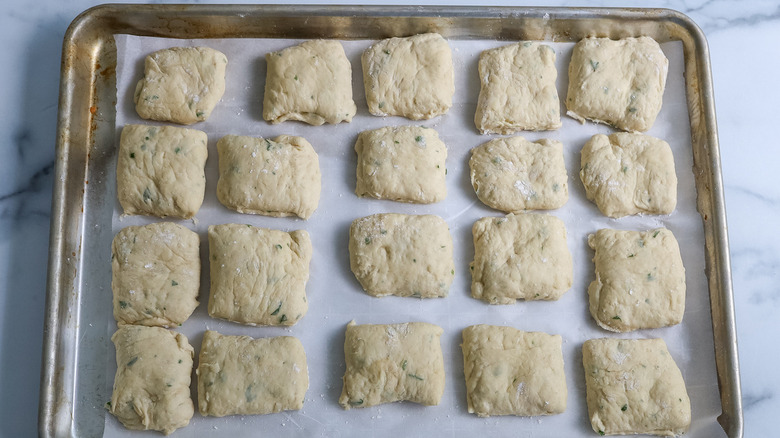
column 258, row 276
column 620, row 83
column 394, row 362
column 181, row 84
column 155, row 274
column 521, row 256
column 152, row 382
column 310, row 82
column 239, row 375
column 626, row 174
column 402, row 255
column 401, row 163
column 410, row 77
column 511, row 372
column 160, row 170
column 518, row 89
column 634, row 387
column 279, row 177
column 640, row 280
column 513, row 174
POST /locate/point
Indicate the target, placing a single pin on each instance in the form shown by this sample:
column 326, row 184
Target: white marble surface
column 742, row 35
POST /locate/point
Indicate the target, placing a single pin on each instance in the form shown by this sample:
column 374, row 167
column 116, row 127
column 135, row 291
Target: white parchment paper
column 335, row 297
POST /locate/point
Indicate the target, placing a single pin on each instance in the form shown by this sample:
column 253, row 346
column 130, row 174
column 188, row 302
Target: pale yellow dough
column 239, row 375
column 181, row 84
column 518, row 89
column 617, row 82
column 155, row 274
column 634, row 387
column 310, row 82
column 394, row 362
column 521, row 256
column 513, row 174
column 152, row 382
column 640, row 280
column 278, row 177
column 160, row 170
column 409, row 77
column 258, row 276
column 511, row 372
column 401, row 163
column 403, row 255
column 627, row 174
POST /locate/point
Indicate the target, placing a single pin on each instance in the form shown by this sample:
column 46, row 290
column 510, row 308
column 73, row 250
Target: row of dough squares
column 160, row 172
column 259, row 276
column 632, row 385
column 616, row 82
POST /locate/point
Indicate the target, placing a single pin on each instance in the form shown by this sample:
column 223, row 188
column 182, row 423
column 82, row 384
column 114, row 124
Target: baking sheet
column 335, row 296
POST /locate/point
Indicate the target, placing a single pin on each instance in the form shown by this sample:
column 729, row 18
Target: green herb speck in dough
column 296, row 77
column 177, row 150
column 283, row 319
column 248, row 393
column 123, row 304
column 616, row 317
column 624, row 408
column 199, row 113
column 656, row 233
column 403, row 365
column 132, row 361
column 132, row 154
column 594, row 64
column 367, row 240
column 147, row 194
column 174, row 283
column 277, row 309
column 278, row 246
column 356, row 402
column 387, row 52
column 414, row 376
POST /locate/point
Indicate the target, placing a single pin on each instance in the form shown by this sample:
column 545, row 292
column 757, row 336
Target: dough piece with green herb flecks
column 152, row 381
column 620, row 83
column 410, row 77
column 310, row 82
column 279, row 177
column 402, row 163
column 181, row 84
column 634, row 387
column 155, row 274
column 640, row 280
column 518, row 89
column 513, row 174
column 258, row 276
column 627, row 174
column 521, row 256
column 239, row 375
column 393, row 362
column 402, row 255
column 160, row 170
column 511, row 372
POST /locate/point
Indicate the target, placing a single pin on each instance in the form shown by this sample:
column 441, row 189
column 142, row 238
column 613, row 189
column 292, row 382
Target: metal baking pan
column 71, row 402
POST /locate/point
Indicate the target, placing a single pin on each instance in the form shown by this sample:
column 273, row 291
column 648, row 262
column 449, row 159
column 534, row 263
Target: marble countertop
column 742, row 38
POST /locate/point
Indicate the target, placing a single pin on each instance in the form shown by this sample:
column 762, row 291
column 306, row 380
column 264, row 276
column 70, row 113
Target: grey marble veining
column 743, row 37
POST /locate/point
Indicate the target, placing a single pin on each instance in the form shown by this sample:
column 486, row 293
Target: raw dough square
column 310, row 82
column 239, row 375
column 640, row 280
column 402, row 163
column 258, row 276
column 626, row 174
column 279, row 177
column 403, row 255
column 634, row 387
column 152, row 382
column 181, row 84
column 521, row 256
column 512, row 174
column 160, row 170
column 620, row 83
column 518, row 89
column 511, row 372
column 155, row 274
column 410, row 77
column 393, row 362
